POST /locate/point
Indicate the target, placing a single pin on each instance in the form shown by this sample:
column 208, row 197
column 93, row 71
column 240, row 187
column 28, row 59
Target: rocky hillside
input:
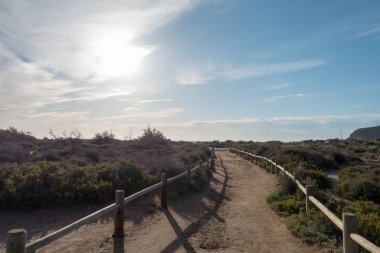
column 368, row 133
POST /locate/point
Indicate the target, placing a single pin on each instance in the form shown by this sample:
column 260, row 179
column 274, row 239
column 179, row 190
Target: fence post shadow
column 118, row 245
column 182, row 238
column 183, row 235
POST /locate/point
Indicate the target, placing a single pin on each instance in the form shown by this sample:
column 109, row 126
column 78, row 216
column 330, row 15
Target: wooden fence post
column 275, row 169
column 119, row 214
column 212, row 164
column 164, row 191
column 309, row 192
column 213, row 152
column 189, row 177
column 16, row 241
column 350, row 225
column 256, row 160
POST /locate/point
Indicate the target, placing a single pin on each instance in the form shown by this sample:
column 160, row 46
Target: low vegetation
column 358, row 163
column 312, row 227
column 69, row 170
column 359, row 184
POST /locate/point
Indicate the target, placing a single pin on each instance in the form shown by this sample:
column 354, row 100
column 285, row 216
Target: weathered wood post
column 256, row 160
column 189, row 177
column 213, row 151
column 275, row 169
column 119, row 214
column 309, row 192
column 212, row 164
column 164, row 191
column 350, row 225
column 16, row 241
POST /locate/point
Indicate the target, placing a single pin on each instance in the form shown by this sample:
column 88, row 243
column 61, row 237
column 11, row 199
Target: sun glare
column 115, row 57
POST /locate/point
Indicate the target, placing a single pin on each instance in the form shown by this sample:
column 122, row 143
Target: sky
column 196, row 70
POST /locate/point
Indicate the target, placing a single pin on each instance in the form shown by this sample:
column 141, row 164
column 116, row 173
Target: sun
column 115, row 57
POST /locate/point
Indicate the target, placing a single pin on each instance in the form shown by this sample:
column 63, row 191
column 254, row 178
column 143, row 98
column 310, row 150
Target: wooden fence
column 349, row 222
column 16, row 238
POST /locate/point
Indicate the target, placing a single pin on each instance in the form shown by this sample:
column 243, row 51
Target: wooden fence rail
column 348, row 224
column 16, row 238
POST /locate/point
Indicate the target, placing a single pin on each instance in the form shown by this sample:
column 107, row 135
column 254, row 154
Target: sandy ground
column 229, row 215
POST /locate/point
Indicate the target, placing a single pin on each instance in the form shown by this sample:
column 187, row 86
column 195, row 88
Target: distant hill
column 367, row 133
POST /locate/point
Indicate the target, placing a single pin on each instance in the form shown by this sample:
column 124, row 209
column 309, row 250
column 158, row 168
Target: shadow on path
column 183, row 236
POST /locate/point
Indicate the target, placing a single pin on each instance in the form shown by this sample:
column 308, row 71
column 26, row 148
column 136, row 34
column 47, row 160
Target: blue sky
column 196, row 70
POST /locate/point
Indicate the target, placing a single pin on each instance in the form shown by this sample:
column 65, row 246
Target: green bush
column 47, row 183
column 313, row 177
column 282, row 200
column 103, row 137
column 351, row 172
column 314, row 227
column 288, row 206
column 359, row 184
column 369, row 219
column 93, row 156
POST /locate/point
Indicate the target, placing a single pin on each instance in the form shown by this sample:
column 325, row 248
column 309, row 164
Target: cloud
column 320, row 119
column 50, row 51
column 277, row 86
column 193, row 77
column 233, row 73
column 61, row 36
column 134, row 113
column 149, row 101
column 270, row 69
column 57, row 115
column 370, row 32
column 25, row 86
column 274, row 98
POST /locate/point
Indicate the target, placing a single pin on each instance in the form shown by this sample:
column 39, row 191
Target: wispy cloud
column 133, row 113
column 275, row 98
column 233, row 73
column 357, row 106
column 277, row 86
column 149, row 101
column 371, row 32
column 257, row 70
column 57, row 115
column 194, row 77
column 320, row 119
column 50, row 51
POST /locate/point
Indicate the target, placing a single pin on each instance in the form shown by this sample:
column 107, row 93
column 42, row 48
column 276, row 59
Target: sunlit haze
column 195, row 70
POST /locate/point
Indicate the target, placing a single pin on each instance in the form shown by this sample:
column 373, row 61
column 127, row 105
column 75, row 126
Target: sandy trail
column 229, row 215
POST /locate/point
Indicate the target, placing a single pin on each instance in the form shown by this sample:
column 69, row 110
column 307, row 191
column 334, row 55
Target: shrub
column 369, row 219
column 282, row 200
column 314, row 227
column 103, row 137
column 48, row 183
column 314, row 177
column 93, row 156
column 351, row 172
column 152, row 136
column 288, row 206
column 360, row 189
column 359, row 184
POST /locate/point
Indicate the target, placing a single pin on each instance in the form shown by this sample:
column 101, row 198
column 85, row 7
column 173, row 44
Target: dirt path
column 229, row 215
